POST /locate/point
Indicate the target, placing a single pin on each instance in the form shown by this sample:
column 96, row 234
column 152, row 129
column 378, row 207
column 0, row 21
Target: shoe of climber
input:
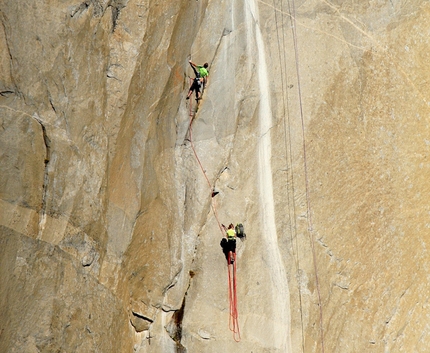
column 187, row 98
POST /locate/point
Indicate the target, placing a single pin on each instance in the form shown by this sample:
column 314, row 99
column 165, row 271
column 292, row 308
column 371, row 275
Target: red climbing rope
column 190, row 129
column 232, row 296
column 232, row 283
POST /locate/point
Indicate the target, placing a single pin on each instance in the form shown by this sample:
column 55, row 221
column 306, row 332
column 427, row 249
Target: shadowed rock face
column 313, row 129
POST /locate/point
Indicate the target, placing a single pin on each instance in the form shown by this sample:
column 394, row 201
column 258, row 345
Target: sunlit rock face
column 312, row 130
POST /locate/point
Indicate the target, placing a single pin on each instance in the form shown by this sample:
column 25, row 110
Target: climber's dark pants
column 195, row 86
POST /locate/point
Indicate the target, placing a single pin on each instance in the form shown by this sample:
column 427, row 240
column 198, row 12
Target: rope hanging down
column 292, row 214
column 292, row 15
column 232, row 296
column 190, row 129
column 232, row 283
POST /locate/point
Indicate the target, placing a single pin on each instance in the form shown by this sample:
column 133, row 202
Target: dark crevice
column 47, row 142
column 143, row 317
column 52, row 106
column 79, row 9
column 140, row 322
column 115, row 15
column 99, row 9
column 116, row 10
column 174, row 327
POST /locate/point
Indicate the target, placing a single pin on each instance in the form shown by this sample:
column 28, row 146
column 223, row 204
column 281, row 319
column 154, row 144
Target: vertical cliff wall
column 312, row 129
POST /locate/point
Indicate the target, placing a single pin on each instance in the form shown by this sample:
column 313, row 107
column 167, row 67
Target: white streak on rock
column 280, row 291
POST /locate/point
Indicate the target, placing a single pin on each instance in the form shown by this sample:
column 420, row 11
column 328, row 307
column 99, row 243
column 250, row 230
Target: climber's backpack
column 240, row 233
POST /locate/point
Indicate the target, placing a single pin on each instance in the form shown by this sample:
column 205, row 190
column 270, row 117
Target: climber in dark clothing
column 228, row 244
column 200, row 81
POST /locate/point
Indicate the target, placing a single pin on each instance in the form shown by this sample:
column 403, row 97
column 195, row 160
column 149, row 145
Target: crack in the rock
column 143, row 317
column 47, row 142
column 79, row 9
column 116, row 6
column 6, row 93
column 99, row 9
column 174, row 327
column 173, row 281
column 16, row 91
column 52, row 105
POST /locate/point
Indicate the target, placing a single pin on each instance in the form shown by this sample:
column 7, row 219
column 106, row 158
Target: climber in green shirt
column 202, row 71
column 200, row 81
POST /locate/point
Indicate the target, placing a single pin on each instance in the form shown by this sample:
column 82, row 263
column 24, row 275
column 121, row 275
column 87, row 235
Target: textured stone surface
column 313, row 129
column 50, row 302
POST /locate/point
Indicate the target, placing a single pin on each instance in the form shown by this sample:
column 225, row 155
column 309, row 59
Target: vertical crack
column 174, row 327
column 47, row 142
column 116, row 10
column 6, row 30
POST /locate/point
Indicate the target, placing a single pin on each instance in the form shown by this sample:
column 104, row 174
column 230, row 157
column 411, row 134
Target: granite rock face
column 312, row 129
